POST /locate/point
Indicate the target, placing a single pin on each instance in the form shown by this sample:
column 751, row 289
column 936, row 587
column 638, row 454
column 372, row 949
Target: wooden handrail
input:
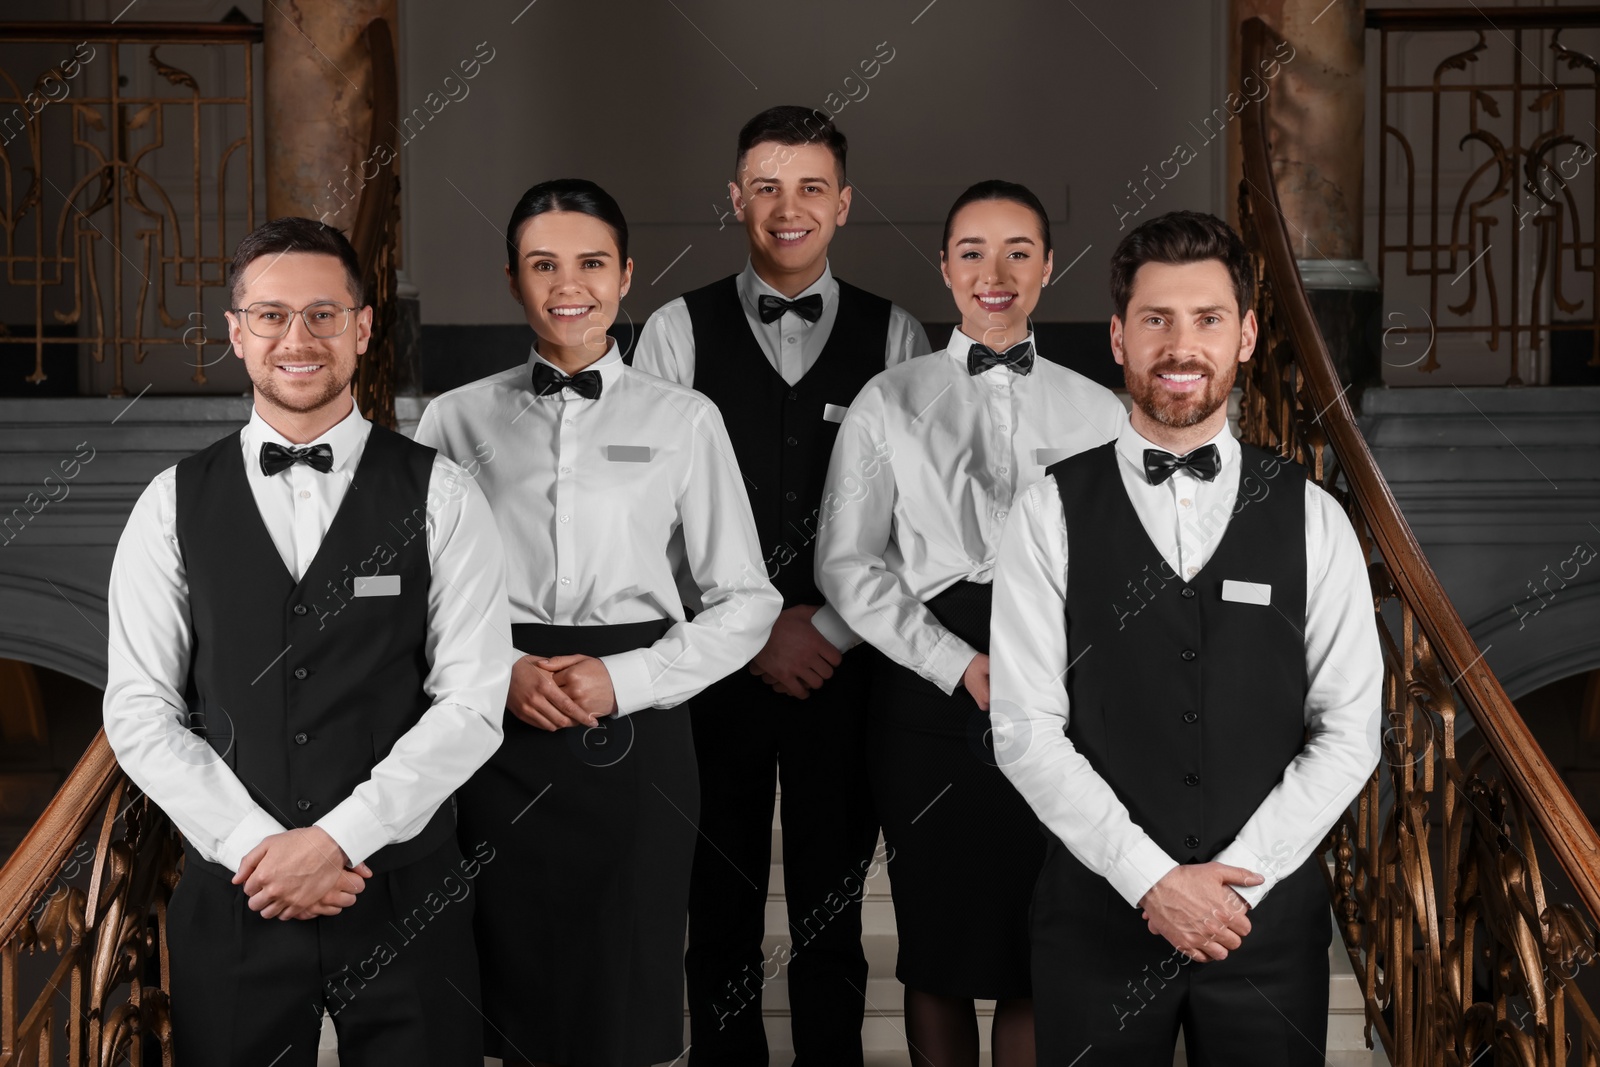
column 1435, row 879
column 134, row 32
column 1570, row 834
column 29, row 873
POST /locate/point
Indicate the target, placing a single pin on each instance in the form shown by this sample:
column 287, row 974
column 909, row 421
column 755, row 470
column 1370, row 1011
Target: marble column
column 318, row 104
column 1316, row 110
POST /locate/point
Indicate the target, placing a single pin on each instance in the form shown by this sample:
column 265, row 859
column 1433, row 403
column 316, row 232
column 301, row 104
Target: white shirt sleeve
column 1343, row 710
column 853, row 539
column 469, row 630
column 906, row 338
column 1029, row 708
column 666, row 344
column 146, row 716
column 723, row 559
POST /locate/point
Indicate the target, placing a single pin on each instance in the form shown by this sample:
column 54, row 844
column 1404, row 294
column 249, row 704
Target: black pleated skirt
column 582, row 911
column 964, row 848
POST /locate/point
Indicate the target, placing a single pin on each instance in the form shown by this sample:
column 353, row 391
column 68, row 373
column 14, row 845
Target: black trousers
column 746, row 735
column 397, row 971
column 1109, row 991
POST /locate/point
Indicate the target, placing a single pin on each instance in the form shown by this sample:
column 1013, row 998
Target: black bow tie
column 773, row 307
column 275, row 457
column 1204, row 462
column 1019, row 357
column 548, row 381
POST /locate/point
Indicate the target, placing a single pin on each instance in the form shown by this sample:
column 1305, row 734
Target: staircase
column 883, row 1031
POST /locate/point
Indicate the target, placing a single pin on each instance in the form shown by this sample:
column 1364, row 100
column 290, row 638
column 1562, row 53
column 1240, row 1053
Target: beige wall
column 635, row 96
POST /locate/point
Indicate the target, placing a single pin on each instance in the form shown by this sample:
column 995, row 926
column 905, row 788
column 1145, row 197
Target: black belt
column 963, row 609
column 541, row 639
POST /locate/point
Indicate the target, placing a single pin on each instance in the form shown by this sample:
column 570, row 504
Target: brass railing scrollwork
column 83, row 957
column 115, row 202
column 1437, row 881
column 1491, row 158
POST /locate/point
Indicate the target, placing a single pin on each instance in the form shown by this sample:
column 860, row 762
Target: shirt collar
column 345, row 437
column 1131, row 445
column 609, row 365
column 752, row 288
column 960, row 343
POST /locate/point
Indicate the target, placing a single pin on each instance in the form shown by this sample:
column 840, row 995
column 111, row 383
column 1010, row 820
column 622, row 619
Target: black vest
column 302, row 688
column 1188, row 705
column 780, row 438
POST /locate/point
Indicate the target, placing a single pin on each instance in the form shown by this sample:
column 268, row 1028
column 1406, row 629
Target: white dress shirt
column 926, row 465
column 1186, row 518
column 151, row 640
column 618, row 510
column 791, row 345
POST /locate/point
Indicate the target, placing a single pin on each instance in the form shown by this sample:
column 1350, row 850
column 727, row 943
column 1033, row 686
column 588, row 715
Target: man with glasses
column 308, row 621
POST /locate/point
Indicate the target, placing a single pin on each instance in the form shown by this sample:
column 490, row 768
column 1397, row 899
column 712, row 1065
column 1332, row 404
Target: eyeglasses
column 271, row 321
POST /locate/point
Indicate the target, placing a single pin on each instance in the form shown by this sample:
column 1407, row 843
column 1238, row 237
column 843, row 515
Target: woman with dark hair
column 923, row 473
column 620, row 497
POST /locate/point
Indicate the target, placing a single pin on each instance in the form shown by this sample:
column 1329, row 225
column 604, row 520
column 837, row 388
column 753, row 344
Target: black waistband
column 540, row 639
column 963, row 609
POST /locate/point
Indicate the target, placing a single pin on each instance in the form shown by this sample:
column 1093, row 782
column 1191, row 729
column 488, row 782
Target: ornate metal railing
column 1448, row 917
column 83, row 921
column 109, row 257
column 83, row 957
column 1498, row 180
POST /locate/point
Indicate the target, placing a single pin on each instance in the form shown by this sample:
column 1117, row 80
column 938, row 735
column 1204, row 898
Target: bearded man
column 1190, row 713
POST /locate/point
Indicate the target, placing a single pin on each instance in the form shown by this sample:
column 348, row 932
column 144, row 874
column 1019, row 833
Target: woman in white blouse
column 922, row 477
column 619, row 496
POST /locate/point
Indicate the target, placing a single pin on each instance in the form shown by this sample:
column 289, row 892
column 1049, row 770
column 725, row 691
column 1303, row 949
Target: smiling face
column 299, row 374
column 1181, row 345
column 790, row 199
column 996, row 266
column 569, row 281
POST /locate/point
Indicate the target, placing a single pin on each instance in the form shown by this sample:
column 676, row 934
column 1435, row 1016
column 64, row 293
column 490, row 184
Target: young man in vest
column 308, row 628
column 1187, row 677
column 782, row 348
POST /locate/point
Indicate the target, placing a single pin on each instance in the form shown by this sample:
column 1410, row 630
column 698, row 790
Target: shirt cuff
column 251, row 831
column 833, row 629
column 354, row 828
column 1238, row 854
column 1141, row 867
column 948, row 662
column 630, row 680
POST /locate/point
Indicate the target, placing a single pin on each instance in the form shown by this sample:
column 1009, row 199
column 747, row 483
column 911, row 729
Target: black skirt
column 582, row 911
column 964, row 847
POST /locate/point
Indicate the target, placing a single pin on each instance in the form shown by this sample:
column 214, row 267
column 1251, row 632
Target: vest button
column 303, row 805
column 790, row 496
column 300, row 672
column 1191, row 779
column 794, row 440
column 1188, row 593
column 1190, row 716
column 1188, row 654
column 794, row 394
column 299, row 609
column 1191, row 841
column 301, row 739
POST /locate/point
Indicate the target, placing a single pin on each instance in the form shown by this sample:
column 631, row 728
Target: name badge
column 1246, row 592
column 833, row 412
column 628, row 453
column 378, row 585
column 1044, row 457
